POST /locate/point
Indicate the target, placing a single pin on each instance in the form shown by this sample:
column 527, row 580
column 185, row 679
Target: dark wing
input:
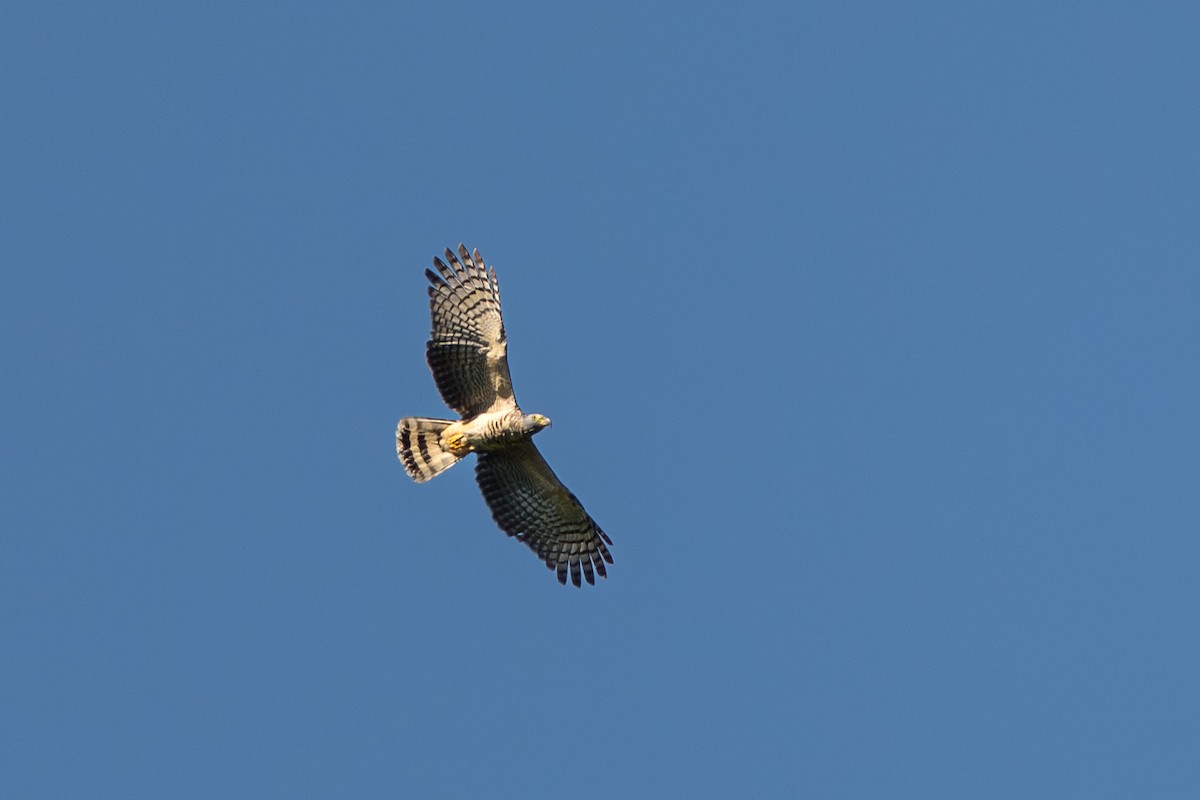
column 528, row 501
column 467, row 349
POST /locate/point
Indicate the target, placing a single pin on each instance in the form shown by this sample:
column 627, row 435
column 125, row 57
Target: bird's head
column 535, row 422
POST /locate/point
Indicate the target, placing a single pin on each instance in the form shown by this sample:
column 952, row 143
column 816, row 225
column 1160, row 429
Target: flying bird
column 468, row 354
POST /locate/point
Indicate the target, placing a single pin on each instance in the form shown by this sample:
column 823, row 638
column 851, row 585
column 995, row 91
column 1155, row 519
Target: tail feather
column 418, row 443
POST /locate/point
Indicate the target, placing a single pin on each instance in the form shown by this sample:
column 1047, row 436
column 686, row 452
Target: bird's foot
column 457, row 443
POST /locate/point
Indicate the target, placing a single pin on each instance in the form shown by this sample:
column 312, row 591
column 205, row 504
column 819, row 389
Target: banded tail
column 419, row 445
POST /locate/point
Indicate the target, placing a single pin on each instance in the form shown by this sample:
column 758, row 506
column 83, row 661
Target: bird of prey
column 468, row 354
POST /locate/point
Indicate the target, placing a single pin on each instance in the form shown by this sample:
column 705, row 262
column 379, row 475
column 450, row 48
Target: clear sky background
column 869, row 331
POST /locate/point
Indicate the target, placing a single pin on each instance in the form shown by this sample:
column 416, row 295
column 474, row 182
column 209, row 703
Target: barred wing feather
column 467, row 349
column 529, row 502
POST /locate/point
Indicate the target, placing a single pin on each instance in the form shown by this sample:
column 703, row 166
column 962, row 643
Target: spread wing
column 528, row 501
column 467, row 349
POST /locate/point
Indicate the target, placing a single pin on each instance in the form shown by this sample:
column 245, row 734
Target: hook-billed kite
column 468, row 354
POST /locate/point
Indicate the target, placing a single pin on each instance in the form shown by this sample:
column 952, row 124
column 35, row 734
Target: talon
column 456, row 444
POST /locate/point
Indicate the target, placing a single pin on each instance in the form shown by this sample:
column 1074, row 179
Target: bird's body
column 494, row 430
column 468, row 354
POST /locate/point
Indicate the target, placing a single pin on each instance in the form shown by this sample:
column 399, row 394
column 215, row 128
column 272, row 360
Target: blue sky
column 869, row 333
